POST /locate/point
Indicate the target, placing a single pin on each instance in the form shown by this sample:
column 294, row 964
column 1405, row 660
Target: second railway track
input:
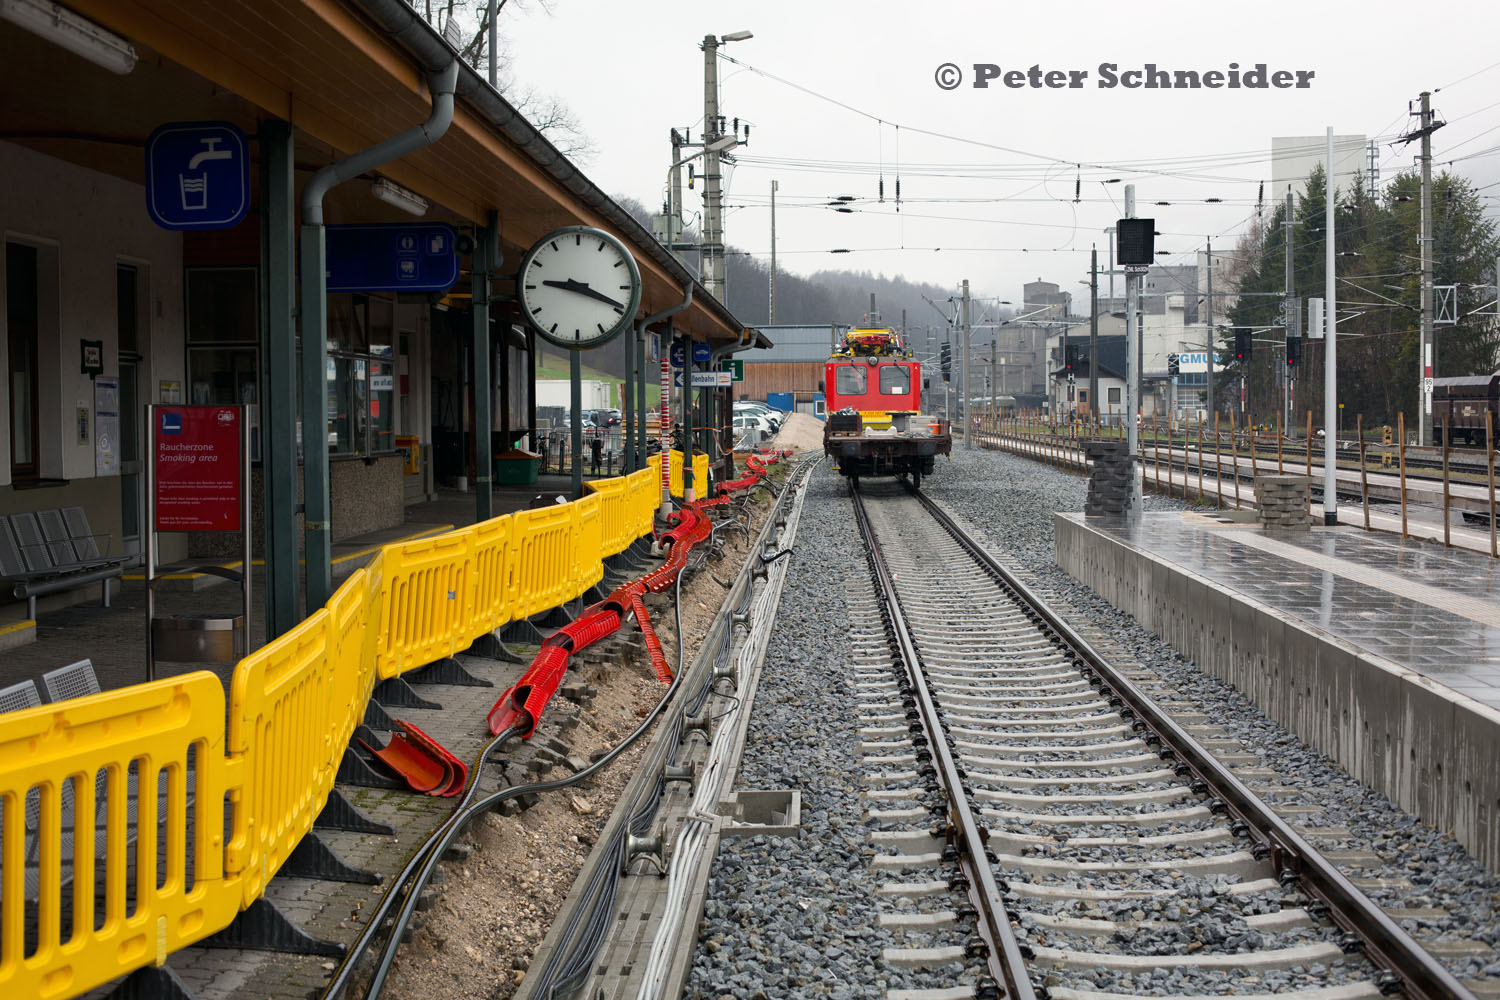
column 1118, row 855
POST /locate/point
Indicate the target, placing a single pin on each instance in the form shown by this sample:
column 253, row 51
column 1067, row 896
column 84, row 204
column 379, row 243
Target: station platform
column 114, row 638
column 1382, row 653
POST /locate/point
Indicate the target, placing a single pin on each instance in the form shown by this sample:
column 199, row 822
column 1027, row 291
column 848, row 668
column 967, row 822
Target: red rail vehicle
column 875, row 422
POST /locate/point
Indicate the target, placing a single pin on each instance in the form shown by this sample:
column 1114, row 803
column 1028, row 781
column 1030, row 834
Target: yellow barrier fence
column 292, row 708
column 544, row 559
column 279, row 720
column 588, row 566
column 700, row 475
column 426, row 602
column 615, row 514
column 493, row 575
column 153, row 735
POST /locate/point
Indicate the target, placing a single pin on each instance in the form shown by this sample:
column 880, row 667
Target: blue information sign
column 398, row 257
column 702, row 354
column 678, row 354
column 197, row 175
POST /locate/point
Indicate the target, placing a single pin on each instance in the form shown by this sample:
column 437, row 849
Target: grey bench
column 52, row 551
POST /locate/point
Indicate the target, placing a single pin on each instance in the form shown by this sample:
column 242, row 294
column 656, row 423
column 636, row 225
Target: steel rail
column 1383, row 941
column 1005, row 955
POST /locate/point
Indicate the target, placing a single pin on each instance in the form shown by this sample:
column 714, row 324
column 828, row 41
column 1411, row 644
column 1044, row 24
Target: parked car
column 758, row 427
column 606, row 418
column 775, row 416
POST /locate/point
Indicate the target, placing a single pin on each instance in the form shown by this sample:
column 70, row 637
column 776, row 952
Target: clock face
column 579, row 287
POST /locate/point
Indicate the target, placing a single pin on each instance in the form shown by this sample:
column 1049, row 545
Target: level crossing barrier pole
column 1401, row 456
column 1447, row 531
column 1234, row 459
column 1364, row 479
column 1218, row 468
column 1279, row 437
column 1489, row 438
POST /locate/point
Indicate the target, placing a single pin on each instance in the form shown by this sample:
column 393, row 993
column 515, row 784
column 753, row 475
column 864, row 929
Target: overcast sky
column 1003, row 216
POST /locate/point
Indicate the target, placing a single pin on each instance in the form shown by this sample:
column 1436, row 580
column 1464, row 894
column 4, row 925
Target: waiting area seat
column 52, row 551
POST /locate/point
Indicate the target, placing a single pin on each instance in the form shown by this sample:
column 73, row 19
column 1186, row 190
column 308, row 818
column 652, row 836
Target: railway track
column 1044, row 829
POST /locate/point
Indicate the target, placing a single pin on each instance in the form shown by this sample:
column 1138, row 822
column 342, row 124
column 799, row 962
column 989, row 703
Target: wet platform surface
column 1433, row 610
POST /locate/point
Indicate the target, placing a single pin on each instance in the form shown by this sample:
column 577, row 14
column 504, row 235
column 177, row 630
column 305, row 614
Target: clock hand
column 582, row 288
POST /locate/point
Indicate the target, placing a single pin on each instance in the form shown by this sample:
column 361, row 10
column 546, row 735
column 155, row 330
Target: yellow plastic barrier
column 700, row 475
column 544, row 559
column 351, row 655
column 278, row 727
column 161, row 728
column 588, row 543
column 617, row 519
column 493, row 573
column 426, row 604
column 293, row 706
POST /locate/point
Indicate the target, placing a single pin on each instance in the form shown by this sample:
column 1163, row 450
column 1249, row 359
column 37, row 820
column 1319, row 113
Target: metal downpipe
column 314, row 315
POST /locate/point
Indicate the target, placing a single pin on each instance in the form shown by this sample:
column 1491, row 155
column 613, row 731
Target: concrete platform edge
column 1428, row 748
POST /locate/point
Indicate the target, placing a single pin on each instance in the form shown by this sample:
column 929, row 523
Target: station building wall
column 83, row 225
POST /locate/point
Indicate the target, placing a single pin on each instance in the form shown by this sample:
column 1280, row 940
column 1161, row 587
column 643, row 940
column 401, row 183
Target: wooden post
column 1489, row 440
column 1234, row 459
column 1447, row 443
column 1401, row 455
column 1156, row 448
column 1364, row 480
column 1218, row 471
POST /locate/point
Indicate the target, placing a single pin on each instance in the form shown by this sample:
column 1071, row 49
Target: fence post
column 1309, row 458
column 1364, row 480
column 1250, row 429
column 1401, row 456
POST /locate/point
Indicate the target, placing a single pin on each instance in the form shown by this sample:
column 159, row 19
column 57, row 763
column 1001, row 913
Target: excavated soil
column 498, row 903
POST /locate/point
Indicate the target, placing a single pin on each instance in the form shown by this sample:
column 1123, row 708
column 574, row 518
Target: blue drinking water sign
column 399, row 257
column 197, row 175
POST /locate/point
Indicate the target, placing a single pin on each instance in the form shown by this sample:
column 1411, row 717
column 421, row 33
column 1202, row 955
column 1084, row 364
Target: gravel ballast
column 798, row 916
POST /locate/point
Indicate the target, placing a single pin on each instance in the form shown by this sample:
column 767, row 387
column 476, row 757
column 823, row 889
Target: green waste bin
column 516, row 467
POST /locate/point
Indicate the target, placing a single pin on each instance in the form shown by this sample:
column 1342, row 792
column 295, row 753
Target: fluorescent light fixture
column 719, row 145
column 400, row 197
column 71, row 31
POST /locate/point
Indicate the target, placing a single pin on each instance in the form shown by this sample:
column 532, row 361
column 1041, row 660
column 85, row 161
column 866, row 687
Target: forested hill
column 823, row 297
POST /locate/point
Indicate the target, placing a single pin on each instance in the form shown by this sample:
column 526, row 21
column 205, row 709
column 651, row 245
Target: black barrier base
column 396, row 693
column 355, row 770
column 446, row 671
column 155, row 983
column 262, row 927
column 340, row 814
column 523, row 632
column 312, row 858
column 492, row 647
column 377, row 717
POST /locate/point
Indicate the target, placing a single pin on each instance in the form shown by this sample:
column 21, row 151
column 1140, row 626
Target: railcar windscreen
column 894, row 380
column 849, row 380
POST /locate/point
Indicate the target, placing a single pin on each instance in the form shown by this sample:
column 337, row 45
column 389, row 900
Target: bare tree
column 548, row 112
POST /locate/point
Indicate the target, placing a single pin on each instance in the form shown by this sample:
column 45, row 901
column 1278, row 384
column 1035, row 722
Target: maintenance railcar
column 875, row 422
column 1464, row 402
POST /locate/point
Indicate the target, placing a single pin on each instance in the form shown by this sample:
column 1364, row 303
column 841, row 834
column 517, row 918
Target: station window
column 1114, row 395
column 894, row 380
column 850, row 380
column 361, row 379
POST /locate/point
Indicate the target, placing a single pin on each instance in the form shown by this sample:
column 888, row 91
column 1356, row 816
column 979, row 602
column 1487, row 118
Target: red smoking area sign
column 199, row 467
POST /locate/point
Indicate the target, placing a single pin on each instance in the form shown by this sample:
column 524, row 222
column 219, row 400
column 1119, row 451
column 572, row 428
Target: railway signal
column 947, row 361
column 1293, row 351
column 1242, row 345
column 1070, row 358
